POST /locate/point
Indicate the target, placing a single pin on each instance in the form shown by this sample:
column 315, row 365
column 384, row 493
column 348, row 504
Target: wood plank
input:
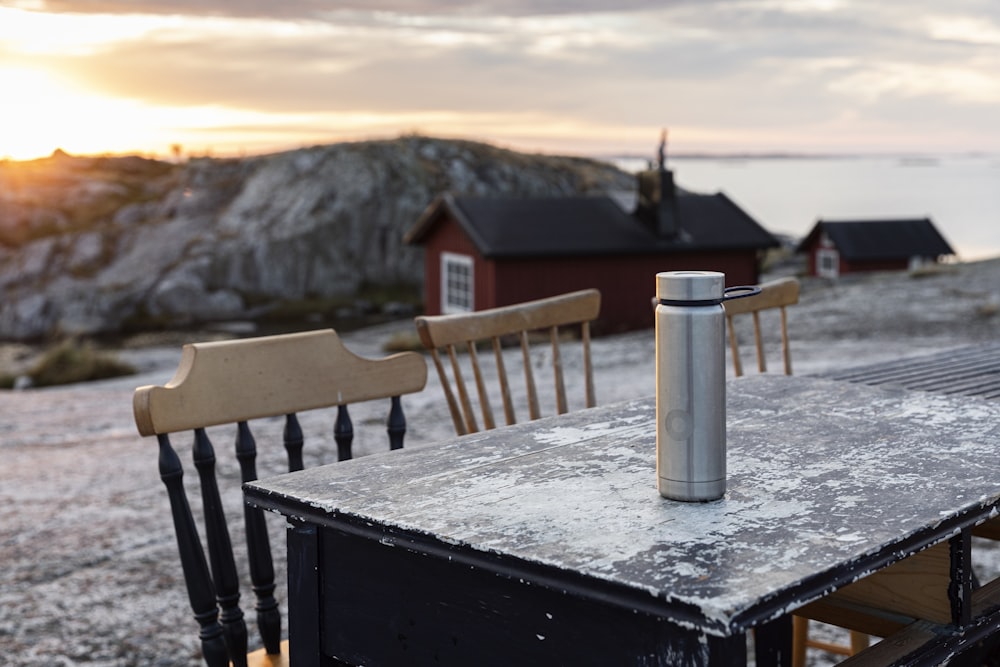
column 896, row 647
column 904, row 646
column 989, row 530
column 916, row 587
column 853, row 617
column 261, row 658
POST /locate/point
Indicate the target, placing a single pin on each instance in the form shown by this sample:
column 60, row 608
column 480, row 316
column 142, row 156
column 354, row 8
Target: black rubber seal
column 739, row 292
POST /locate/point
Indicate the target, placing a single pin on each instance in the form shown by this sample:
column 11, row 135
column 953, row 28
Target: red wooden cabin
column 487, row 252
column 835, row 248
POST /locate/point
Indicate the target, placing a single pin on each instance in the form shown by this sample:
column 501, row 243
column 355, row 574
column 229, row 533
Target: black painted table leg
column 773, row 643
column 728, row 651
column 303, row 595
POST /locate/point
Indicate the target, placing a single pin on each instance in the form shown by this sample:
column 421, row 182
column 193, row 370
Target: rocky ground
column 90, row 572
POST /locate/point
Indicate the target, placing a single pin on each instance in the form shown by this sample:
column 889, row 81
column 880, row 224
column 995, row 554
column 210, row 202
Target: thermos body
column 690, row 388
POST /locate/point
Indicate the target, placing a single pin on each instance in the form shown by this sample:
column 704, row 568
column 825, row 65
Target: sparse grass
column 930, row 270
column 298, row 310
column 380, row 294
column 986, row 310
column 73, row 361
column 403, row 341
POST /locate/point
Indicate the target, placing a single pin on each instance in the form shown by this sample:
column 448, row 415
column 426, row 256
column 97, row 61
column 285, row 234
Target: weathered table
column 547, row 543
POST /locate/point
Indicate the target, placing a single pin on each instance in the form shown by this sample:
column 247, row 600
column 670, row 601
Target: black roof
column 882, row 239
column 575, row 226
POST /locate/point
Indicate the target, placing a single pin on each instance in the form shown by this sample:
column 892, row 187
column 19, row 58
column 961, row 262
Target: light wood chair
column 774, row 294
column 233, row 382
column 446, row 334
column 780, row 294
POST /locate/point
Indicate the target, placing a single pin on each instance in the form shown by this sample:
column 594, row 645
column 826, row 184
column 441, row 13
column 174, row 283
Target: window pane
column 457, row 283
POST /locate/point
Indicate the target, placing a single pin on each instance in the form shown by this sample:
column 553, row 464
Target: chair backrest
column 233, row 382
column 774, row 294
column 446, row 334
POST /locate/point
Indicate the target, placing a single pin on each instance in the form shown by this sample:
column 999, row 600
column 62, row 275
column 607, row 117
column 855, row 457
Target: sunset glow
column 761, row 76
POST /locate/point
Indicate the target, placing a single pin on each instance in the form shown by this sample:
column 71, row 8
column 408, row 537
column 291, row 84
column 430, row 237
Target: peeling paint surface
column 821, row 474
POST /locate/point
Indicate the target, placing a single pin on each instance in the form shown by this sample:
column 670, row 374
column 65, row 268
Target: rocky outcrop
column 97, row 245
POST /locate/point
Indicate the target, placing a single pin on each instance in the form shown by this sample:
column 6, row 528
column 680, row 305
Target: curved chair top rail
column 570, row 308
column 229, row 381
column 775, row 293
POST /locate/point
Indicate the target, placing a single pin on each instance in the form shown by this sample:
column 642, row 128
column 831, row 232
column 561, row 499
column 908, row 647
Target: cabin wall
column 873, row 265
column 858, row 266
column 627, row 282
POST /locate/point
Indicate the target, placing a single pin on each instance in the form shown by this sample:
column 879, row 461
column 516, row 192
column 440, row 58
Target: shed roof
column 881, row 239
column 577, row 226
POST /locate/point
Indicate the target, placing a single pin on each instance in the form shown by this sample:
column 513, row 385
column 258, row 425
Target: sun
column 41, row 113
column 31, row 105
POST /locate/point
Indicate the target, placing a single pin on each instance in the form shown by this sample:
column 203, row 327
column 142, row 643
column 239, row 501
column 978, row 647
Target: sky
column 579, row 77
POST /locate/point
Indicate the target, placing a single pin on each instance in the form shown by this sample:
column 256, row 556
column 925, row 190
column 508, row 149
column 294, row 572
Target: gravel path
column 90, row 573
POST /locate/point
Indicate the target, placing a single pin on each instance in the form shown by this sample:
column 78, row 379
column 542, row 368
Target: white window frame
column 456, row 298
column 827, row 263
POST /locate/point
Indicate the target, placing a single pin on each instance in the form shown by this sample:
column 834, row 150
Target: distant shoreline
column 625, row 162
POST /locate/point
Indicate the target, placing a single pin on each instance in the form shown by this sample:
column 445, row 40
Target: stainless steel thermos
column 691, row 383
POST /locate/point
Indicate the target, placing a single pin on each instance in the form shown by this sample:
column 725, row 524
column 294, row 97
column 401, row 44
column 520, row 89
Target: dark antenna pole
column 662, row 162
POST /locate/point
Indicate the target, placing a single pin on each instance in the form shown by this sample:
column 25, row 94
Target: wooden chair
column 232, row 382
column 774, row 294
column 779, row 294
column 445, row 334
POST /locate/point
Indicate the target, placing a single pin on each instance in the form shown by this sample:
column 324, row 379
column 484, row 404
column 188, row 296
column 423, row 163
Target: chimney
column 657, row 205
column 666, row 211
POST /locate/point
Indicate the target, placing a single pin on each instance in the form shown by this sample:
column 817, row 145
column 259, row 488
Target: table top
column 827, row 481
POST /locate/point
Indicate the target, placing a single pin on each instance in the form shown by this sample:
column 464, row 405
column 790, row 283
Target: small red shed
column 486, row 252
column 834, row 248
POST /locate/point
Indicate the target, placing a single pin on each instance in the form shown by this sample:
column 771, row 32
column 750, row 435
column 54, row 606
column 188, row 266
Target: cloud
column 741, row 67
column 316, row 9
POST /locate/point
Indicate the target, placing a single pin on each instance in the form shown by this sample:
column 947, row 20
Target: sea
column 788, row 195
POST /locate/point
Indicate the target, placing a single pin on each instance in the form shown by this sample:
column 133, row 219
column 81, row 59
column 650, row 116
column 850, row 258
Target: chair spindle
column 396, row 424
column 201, row 592
column 477, row 374
column 508, row 403
column 343, row 433
column 292, row 437
column 259, row 547
column 457, row 420
column 588, row 369
column 463, row 393
column 759, row 338
column 562, row 406
column 534, row 412
column 220, row 550
column 786, row 348
column 734, row 347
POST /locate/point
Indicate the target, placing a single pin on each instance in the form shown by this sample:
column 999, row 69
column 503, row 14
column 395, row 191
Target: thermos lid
column 690, row 286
